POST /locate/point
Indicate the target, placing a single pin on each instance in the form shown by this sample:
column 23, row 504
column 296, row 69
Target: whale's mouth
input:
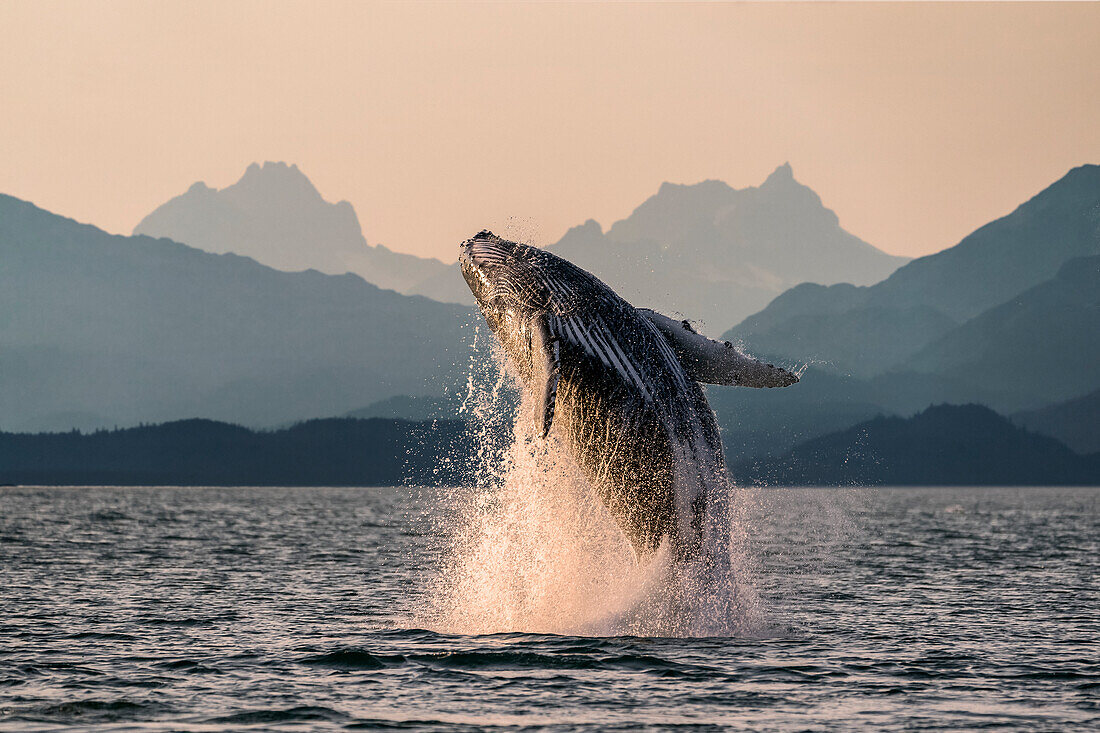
column 486, row 249
column 481, row 258
column 474, row 271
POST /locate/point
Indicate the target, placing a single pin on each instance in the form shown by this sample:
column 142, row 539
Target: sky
column 915, row 123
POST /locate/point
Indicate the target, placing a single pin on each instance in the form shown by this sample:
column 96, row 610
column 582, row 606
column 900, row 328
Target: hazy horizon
column 915, row 123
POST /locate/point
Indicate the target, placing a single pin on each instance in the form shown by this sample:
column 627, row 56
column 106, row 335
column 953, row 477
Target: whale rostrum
column 618, row 385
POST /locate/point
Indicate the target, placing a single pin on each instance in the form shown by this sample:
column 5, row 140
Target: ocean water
column 398, row 608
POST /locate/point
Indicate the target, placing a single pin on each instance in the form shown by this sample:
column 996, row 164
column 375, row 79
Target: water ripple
column 303, row 609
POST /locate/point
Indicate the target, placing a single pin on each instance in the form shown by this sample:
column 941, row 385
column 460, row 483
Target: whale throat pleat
column 599, row 341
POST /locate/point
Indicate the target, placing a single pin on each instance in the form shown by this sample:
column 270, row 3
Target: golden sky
column 916, row 123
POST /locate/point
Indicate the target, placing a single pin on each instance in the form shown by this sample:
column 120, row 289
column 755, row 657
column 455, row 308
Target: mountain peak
column 782, row 186
column 1087, row 170
column 273, row 214
column 274, row 167
column 276, row 216
column 708, row 186
column 782, row 175
column 274, row 185
column 591, row 226
column 275, row 173
column 584, row 235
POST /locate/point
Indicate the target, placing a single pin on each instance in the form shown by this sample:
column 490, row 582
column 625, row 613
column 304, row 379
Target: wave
column 518, row 657
column 90, row 711
column 301, row 713
column 354, row 658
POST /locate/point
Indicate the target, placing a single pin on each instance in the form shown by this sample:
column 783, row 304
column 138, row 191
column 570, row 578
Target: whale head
column 504, row 277
column 510, row 283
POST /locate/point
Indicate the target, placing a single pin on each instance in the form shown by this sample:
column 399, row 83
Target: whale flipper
column 716, row 362
column 546, row 354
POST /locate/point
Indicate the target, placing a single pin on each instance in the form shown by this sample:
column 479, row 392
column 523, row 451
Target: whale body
column 618, row 385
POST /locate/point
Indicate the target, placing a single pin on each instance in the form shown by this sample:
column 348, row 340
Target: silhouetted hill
column 942, row 446
column 1006, row 256
column 714, row 253
column 333, row 452
column 865, row 331
column 274, row 215
column 1075, row 422
column 134, row 329
column 945, row 445
column 1042, row 346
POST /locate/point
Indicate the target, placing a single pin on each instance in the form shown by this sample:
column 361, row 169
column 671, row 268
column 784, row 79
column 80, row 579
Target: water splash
column 532, row 549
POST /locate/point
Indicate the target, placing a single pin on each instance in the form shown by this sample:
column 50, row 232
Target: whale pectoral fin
column 546, row 355
column 716, row 362
column 545, row 414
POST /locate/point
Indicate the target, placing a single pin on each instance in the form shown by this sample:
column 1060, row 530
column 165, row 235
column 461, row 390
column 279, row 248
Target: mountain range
column 868, row 331
column 1009, row 318
column 713, row 253
column 330, row 452
column 98, row 330
column 945, row 445
column 276, row 216
column 1075, row 422
column 1039, row 347
column 707, row 251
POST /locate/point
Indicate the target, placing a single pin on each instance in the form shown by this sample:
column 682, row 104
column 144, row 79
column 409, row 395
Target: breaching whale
column 618, row 385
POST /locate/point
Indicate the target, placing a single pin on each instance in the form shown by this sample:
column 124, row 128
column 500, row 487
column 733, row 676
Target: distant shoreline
column 944, row 446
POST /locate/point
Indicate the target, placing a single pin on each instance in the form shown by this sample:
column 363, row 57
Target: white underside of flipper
column 546, row 359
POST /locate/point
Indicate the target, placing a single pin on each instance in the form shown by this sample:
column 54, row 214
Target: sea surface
column 315, row 609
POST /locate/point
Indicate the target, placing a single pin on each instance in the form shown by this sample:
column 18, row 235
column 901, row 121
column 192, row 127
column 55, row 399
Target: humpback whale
column 618, row 385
